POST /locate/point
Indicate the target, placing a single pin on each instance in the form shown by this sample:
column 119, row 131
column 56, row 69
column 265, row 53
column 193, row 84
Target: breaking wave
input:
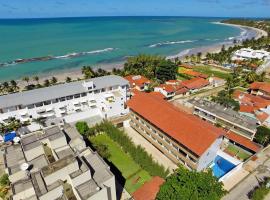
column 171, row 43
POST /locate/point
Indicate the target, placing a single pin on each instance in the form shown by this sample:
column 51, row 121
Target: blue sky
column 71, row 8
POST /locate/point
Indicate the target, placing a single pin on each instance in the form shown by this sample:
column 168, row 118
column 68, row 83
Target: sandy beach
column 247, row 33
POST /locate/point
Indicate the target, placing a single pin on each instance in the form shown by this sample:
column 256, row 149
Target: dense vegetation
column 138, row 154
column 263, row 135
column 185, row 184
column 151, row 66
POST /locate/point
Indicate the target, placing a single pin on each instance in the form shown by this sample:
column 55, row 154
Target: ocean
column 71, row 43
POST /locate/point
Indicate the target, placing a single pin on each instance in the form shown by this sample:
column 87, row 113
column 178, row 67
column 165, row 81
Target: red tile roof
column 262, row 116
column 149, row 190
column 195, row 83
column 190, row 131
column 194, row 73
column 137, row 80
column 245, row 100
column 167, row 88
column 243, row 141
column 260, row 86
column 247, row 109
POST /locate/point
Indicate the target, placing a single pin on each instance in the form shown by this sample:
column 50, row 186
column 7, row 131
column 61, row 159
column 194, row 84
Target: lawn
column 135, row 176
column 237, row 151
column 212, row 71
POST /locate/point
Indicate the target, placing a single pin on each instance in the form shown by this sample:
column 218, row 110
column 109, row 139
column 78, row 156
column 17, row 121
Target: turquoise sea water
column 106, row 40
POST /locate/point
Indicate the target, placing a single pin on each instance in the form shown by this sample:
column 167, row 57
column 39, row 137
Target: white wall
column 209, row 155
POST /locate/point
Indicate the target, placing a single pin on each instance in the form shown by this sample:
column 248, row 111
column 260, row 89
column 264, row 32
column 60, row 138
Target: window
column 47, row 102
column 31, row 106
column 69, row 97
column 39, row 104
column 76, row 96
column 62, row 99
column 167, row 140
column 83, row 94
column 55, row 101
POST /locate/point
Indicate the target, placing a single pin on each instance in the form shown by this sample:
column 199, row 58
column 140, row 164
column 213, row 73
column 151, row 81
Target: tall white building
column 104, row 97
column 247, row 53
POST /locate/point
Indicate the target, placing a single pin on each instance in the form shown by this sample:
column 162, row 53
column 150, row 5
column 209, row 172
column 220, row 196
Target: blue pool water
column 221, row 166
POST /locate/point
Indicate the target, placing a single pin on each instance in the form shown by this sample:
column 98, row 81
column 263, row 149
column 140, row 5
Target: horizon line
column 120, row 16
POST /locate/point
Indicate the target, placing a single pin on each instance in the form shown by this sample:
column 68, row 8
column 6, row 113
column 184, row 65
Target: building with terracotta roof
column 195, row 83
column 253, row 106
column 242, row 142
column 195, row 74
column 138, row 82
column 182, row 137
column 149, row 190
column 260, row 89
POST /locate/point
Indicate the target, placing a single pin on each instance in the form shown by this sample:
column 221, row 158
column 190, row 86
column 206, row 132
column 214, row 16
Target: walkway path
column 157, row 155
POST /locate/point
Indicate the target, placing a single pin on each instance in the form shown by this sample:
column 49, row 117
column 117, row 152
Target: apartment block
column 103, row 96
column 182, row 137
column 226, row 117
column 54, row 164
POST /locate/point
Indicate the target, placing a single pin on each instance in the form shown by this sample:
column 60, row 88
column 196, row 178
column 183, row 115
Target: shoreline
column 215, row 48
column 74, row 74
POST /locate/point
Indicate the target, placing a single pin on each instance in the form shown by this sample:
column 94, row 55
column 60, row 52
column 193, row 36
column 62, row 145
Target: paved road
column 157, row 155
column 240, row 192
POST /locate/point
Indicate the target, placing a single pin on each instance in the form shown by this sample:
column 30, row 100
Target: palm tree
column 26, row 79
column 46, row 83
column 14, row 85
column 68, row 79
column 54, row 80
column 36, row 78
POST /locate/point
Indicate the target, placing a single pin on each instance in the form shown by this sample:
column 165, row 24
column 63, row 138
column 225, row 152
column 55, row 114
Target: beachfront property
column 182, row 137
column 138, row 82
column 55, row 164
column 248, row 53
column 229, row 119
column 102, row 97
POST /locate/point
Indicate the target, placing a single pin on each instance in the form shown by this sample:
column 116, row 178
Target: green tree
column 26, row 79
column 68, row 79
column 166, row 70
column 191, row 185
column 102, row 150
column 88, row 72
column 46, row 83
column 263, row 135
column 82, row 127
column 36, row 78
column 4, row 181
column 54, row 80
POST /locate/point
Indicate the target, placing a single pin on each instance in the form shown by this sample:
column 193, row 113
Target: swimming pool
column 221, row 166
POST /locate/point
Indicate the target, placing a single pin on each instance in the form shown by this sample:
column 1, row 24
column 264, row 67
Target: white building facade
column 103, row 96
column 247, row 53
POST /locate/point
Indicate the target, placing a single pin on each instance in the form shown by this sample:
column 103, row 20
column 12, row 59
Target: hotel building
column 47, row 166
column 182, row 137
column 103, row 96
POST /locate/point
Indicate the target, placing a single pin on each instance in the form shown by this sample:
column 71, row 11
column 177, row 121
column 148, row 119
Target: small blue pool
column 221, row 167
